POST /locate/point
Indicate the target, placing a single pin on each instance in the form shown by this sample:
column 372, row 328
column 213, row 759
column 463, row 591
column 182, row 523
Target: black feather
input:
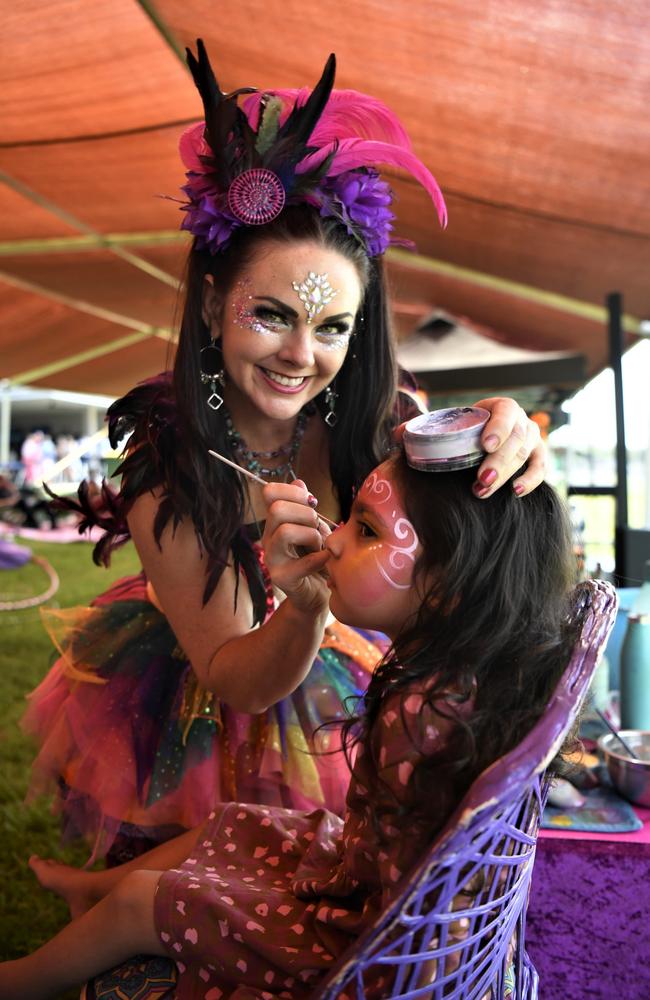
column 302, row 121
column 227, row 131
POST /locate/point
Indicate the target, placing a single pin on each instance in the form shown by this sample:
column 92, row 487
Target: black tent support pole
column 614, row 310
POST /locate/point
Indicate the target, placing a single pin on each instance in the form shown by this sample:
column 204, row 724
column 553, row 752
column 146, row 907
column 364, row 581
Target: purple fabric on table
column 588, row 919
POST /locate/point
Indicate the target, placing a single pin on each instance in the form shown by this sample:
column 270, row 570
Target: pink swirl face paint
column 394, row 552
column 373, row 557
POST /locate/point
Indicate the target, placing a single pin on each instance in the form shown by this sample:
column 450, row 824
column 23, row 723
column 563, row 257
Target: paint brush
column 258, row 479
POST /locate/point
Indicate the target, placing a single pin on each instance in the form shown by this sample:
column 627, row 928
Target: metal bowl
column 630, row 777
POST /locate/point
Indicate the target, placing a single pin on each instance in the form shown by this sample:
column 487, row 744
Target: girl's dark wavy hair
column 496, row 624
column 169, row 441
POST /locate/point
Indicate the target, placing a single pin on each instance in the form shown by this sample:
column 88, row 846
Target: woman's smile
column 284, row 383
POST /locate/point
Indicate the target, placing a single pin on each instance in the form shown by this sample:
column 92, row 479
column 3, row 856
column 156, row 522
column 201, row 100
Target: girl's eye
column 366, row 531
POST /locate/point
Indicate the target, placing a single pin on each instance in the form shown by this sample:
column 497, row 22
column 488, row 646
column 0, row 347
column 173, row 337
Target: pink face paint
column 444, row 440
column 394, row 556
column 373, row 557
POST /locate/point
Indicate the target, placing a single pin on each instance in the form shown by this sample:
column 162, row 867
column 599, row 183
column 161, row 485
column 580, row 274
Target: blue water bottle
column 635, row 673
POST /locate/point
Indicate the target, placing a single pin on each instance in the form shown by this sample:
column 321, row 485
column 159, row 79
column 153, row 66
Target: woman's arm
column 249, row 669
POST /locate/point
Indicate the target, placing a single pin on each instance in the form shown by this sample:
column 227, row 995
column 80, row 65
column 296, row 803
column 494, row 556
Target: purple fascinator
column 284, row 147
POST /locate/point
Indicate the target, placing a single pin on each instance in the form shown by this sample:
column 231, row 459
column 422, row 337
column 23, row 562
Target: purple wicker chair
column 428, row 944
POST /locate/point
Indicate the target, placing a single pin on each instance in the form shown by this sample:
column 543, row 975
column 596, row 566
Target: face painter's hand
column 510, row 439
column 293, row 545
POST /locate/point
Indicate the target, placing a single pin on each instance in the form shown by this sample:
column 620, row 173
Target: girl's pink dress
column 271, row 897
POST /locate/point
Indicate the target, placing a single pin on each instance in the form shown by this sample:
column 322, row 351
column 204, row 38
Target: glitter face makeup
column 244, row 312
column 373, row 558
column 263, row 319
column 333, row 341
column 275, row 360
column 315, row 292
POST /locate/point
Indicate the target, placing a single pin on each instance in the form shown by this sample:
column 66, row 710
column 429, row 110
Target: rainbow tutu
column 135, row 748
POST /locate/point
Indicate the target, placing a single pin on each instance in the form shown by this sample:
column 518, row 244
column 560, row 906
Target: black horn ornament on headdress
column 287, row 147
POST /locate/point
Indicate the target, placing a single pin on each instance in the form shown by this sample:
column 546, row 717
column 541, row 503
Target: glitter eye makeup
column 249, row 313
column 337, row 341
column 256, row 318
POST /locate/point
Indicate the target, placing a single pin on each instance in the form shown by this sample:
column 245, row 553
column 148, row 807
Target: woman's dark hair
column 198, row 487
column 495, row 627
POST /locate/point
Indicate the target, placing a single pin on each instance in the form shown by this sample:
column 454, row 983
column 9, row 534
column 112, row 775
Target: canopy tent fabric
column 532, row 117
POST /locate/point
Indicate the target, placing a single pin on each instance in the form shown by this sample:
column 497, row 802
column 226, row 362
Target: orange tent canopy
column 532, row 117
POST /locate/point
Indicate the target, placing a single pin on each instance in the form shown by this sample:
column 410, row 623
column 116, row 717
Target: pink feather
column 348, row 114
column 354, row 153
column 191, row 144
column 363, row 130
column 351, row 115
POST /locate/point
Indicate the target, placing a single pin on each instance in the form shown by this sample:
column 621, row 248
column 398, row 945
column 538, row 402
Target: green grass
column 28, row 915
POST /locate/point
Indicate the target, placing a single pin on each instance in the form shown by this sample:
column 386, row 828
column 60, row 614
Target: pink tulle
column 87, row 740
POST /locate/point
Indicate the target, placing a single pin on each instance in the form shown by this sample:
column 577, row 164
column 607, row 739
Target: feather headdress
column 281, row 147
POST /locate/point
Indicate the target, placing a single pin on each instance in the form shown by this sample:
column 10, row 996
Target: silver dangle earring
column 330, row 401
column 359, row 327
column 212, row 373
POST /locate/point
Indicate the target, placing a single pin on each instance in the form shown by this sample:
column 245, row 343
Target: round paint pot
column 446, row 440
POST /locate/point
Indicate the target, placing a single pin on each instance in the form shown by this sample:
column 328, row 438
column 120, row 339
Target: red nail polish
column 519, row 489
column 479, row 490
column 488, row 477
column 312, row 501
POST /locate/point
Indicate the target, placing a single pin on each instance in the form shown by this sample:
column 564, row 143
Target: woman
column 285, row 365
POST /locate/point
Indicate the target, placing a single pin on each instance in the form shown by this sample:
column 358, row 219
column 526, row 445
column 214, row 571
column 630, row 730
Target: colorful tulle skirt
column 136, row 750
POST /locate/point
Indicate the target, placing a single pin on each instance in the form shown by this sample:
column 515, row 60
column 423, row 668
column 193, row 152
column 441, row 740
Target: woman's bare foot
column 74, row 885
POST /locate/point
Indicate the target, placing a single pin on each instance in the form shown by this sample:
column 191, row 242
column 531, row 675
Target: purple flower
column 207, row 217
column 363, row 201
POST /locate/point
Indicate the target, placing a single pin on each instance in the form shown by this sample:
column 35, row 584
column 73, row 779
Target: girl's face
column 372, row 558
column 285, row 327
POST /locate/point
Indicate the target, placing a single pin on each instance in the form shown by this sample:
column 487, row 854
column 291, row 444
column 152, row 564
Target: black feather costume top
column 155, row 457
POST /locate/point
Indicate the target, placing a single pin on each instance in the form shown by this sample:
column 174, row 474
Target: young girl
column 260, row 901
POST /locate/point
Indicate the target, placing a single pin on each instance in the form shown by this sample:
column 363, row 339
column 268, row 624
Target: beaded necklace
column 253, row 460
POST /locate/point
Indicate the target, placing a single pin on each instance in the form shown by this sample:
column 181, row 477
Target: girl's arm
column 249, row 669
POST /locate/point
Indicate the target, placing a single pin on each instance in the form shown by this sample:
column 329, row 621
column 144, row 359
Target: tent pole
column 614, row 311
column 5, row 422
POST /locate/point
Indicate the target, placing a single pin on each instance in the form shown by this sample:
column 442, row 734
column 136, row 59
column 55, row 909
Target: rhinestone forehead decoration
column 256, row 197
column 315, row 292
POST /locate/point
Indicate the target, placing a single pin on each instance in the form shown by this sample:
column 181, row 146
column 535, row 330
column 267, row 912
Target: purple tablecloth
column 588, row 928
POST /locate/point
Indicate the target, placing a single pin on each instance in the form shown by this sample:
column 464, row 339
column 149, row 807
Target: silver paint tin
column 446, row 440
